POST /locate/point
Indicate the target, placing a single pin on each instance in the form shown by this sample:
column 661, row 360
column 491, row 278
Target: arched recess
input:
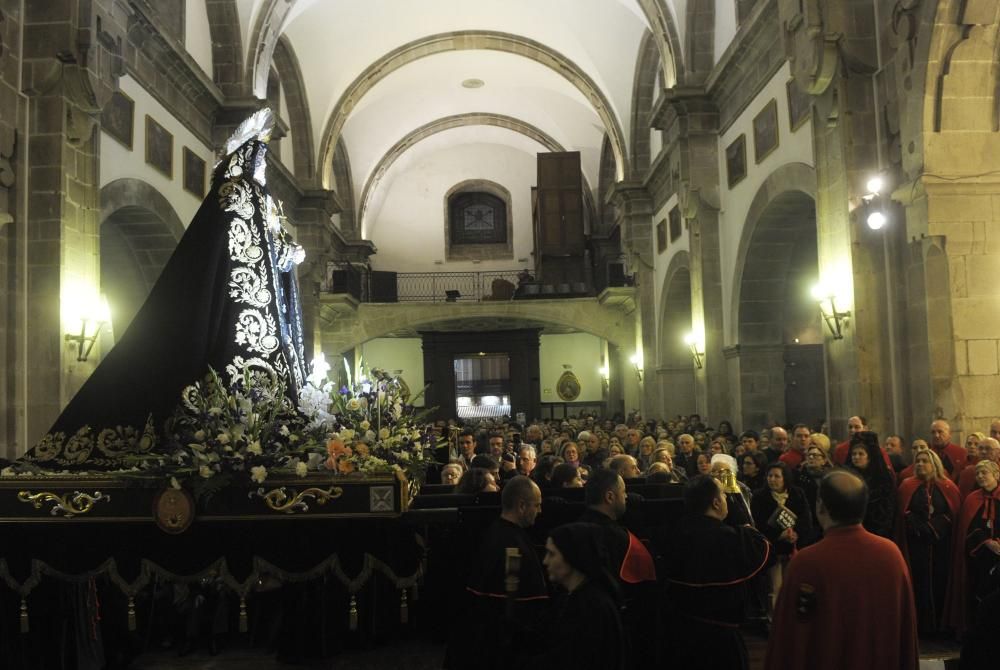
column 293, row 89
column 779, row 359
column 676, row 369
column 643, row 95
column 227, row 47
column 479, row 251
column 459, row 121
column 264, row 40
column 139, row 232
column 465, row 41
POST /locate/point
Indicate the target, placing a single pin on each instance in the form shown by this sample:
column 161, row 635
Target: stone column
column 690, row 121
column 72, row 58
column 634, row 209
column 833, row 51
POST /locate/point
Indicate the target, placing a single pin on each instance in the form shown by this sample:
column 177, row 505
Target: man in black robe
column 709, row 562
column 629, row 561
column 507, row 597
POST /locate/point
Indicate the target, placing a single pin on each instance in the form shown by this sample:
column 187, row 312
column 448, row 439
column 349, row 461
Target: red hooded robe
column 956, row 612
column 834, row 613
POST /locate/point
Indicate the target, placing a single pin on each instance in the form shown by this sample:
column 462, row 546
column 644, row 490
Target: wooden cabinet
column 560, row 243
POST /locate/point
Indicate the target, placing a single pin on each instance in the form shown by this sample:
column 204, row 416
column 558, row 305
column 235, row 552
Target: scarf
column 780, row 498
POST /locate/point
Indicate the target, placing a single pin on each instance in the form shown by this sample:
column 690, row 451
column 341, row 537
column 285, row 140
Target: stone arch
column 447, row 123
column 294, row 91
column 227, row 47
column 675, row 366
column 605, row 182
column 462, row 41
column 791, row 177
column 667, row 40
column 780, row 352
column 264, row 39
column 484, row 251
column 374, row 320
column 343, row 184
column 139, row 231
column 644, row 91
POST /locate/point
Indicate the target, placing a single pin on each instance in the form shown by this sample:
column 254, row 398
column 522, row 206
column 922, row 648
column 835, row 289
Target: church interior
column 759, row 212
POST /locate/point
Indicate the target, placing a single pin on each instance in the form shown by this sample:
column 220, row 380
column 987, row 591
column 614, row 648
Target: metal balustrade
column 425, row 286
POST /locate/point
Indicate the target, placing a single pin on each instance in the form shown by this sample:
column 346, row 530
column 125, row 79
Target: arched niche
column 778, row 361
column 139, row 232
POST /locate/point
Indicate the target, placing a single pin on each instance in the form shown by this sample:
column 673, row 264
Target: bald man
column 953, row 457
column 810, row 629
column 988, row 449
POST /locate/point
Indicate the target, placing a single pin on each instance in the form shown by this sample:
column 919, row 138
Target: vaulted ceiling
column 383, row 76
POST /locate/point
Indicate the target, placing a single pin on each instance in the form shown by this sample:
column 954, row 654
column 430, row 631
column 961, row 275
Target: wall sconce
column 835, row 319
column 874, row 207
column 636, row 361
column 92, row 319
column 697, row 349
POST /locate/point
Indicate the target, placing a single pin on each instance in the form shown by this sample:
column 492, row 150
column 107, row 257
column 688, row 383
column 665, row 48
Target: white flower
column 205, row 471
column 283, row 430
column 383, row 434
column 353, row 405
column 347, row 434
column 365, row 425
column 301, row 469
column 222, row 438
column 254, row 448
column 369, row 436
column 258, row 473
column 7, row 472
column 200, row 435
column 404, row 455
column 415, row 435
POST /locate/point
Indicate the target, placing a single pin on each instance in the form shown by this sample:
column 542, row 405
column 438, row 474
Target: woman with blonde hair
column 976, row 559
column 821, row 441
column 928, row 503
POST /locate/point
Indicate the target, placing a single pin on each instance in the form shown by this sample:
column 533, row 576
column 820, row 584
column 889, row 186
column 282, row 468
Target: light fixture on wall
column 873, row 203
column 697, row 349
column 92, row 316
column 636, row 361
column 319, row 370
column 835, row 319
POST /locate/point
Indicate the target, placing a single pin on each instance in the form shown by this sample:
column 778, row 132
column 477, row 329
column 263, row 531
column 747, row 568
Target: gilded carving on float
column 291, row 501
column 69, row 504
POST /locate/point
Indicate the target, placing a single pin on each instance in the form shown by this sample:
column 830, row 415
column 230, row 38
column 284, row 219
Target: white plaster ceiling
column 335, row 41
column 485, row 138
column 430, row 89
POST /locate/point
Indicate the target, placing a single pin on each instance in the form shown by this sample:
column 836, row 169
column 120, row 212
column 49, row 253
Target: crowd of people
column 769, row 518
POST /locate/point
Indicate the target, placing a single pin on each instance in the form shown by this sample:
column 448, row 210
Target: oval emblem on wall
column 173, row 510
column 568, row 386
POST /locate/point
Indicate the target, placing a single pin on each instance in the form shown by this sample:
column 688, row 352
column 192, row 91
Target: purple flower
column 344, row 390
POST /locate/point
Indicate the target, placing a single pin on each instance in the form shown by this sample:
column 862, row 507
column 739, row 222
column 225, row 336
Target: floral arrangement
column 368, row 427
column 250, row 429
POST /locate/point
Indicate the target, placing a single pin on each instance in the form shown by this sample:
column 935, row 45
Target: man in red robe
column 855, row 424
column 833, row 614
column 953, row 457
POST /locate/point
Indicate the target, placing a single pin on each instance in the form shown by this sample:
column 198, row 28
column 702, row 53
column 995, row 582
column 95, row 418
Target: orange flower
column 334, row 447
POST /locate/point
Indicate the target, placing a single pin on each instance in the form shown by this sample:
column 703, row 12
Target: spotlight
column 876, row 219
column 875, row 185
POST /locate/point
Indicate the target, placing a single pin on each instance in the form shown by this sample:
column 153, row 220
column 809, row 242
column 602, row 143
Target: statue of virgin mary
column 227, row 300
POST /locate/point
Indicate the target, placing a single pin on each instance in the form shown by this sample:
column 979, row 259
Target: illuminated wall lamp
column 874, row 208
column 836, row 320
column 636, row 361
column 698, row 355
column 90, row 327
